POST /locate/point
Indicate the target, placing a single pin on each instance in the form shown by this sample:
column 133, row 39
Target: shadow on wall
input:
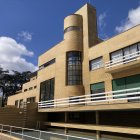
column 22, row 117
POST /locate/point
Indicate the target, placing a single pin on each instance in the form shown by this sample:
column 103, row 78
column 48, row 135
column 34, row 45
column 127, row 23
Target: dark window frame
column 90, row 67
column 47, row 64
column 124, row 49
column 97, row 92
column 74, row 68
column 17, row 103
column 72, row 28
column 47, row 89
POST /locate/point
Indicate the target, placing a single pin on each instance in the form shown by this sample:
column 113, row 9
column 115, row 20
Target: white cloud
column 102, row 25
column 11, row 55
column 101, row 20
column 132, row 20
column 26, row 36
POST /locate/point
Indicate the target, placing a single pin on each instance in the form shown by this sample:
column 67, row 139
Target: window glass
column 74, row 68
column 96, row 63
column 139, row 47
column 47, row 90
column 31, row 100
column 21, row 103
column 16, row 103
column 117, row 56
column 47, row 64
column 97, row 88
column 71, row 28
column 125, row 54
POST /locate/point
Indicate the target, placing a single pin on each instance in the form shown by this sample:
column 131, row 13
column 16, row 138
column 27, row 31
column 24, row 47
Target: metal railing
column 130, row 95
column 33, row 134
column 123, row 60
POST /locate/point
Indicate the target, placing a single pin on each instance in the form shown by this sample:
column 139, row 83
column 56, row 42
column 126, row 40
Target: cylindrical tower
column 73, row 35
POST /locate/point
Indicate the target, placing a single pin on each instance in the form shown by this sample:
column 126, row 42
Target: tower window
column 71, row 28
column 74, row 68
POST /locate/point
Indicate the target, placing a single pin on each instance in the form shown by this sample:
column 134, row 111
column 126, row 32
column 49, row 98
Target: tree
column 10, row 83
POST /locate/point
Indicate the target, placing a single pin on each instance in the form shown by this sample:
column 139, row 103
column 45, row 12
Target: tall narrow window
column 74, row 68
column 47, row 90
column 16, row 103
column 21, row 104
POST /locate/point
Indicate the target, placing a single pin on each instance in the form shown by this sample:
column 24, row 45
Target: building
column 27, row 94
column 88, row 85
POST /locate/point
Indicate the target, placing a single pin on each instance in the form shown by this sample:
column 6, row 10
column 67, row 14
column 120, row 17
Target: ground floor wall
column 23, row 117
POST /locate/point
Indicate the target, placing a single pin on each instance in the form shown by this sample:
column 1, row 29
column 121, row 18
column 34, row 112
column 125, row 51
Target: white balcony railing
column 123, row 60
column 130, row 95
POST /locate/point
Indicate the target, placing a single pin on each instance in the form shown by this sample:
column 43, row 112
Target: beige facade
column 29, row 90
column 81, row 36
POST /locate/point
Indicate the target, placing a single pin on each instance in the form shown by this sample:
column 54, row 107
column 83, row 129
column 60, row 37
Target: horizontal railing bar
column 94, row 101
column 33, row 130
column 117, row 91
column 120, row 60
column 30, row 136
column 16, row 133
column 118, row 95
column 128, row 55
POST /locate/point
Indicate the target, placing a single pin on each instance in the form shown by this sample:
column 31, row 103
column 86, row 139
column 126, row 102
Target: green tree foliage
column 10, row 83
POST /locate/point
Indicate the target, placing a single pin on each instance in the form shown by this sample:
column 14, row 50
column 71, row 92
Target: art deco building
column 88, row 85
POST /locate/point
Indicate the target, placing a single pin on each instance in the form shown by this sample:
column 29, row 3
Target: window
column 30, row 88
column 35, row 87
column 74, row 68
column 47, row 90
column 126, row 83
column 31, row 100
column 16, row 103
column 25, row 90
column 126, row 54
column 21, row 103
column 117, row 56
column 96, row 63
column 71, row 28
column 47, row 64
column 97, row 88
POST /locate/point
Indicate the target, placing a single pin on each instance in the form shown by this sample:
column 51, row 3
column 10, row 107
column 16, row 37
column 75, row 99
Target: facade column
column 97, row 123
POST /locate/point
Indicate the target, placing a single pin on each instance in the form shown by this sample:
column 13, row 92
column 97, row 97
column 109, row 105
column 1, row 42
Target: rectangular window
column 117, row 56
column 126, row 54
column 97, row 88
column 21, row 103
column 16, row 103
column 47, row 64
column 25, row 90
column 74, row 68
column 47, row 90
column 139, row 47
column 31, row 100
column 126, row 83
column 30, row 88
column 96, row 63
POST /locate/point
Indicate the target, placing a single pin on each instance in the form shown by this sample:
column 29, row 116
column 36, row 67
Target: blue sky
column 34, row 26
